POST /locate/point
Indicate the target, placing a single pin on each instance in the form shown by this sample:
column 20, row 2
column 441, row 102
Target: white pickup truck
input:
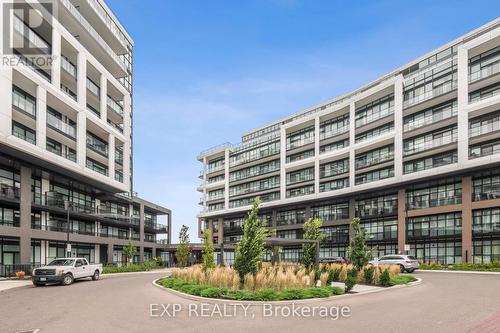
column 65, row 271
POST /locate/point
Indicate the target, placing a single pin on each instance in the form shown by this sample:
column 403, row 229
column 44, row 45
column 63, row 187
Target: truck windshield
column 62, row 262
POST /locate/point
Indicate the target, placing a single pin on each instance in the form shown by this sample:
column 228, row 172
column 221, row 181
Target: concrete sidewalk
column 358, row 288
column 456, row 272
column 9, row 284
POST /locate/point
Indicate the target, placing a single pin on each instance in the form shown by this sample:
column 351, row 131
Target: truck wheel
column 95, row 277
column 67, row 279
column 38, row 284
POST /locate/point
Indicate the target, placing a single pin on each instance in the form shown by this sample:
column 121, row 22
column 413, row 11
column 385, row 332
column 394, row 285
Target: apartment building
column 415, row 154
column 66, row 137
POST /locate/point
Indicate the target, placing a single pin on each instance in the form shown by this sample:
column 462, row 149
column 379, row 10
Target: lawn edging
column 155, row 283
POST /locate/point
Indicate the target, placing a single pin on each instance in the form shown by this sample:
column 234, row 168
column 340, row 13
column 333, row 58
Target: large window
column 300, row 138
column 430, row 140
column 484, row 124
column 434, row 226
column 377, row 131
column 249, row 201
column 443, row 252
column 335, row 126
column 217, row 164
column 486, row 187
column 485, row 250
column 430, row 116
column 372, row 176
column 296, row 216
column 300, row 176
column 486, row 221
column 484, row 149
column 380, row 229
column 486, row 92
column 484, row 64
column 375, row 110
column 338, row 234
column 300, row 156
column 431, row 162
column 9, row 217
column 334, row 185
column 255, row 186
column 334, row 146
column 331, row 212
column 447, row 192
column 376, row 156
column 254, row 154
column 96, row 166
column 23, row 132
column 382, row 205
column 22, row 101
column 334, row 168
column 256, row 170
column 326, row 252
column 97, row 144
column 233, row 225
column 289, row 234
column 300, row 191
column 10, row 183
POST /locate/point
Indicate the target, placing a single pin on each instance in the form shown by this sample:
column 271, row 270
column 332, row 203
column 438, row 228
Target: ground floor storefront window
column 485, row 250
column 9, row 251
column 445, row 252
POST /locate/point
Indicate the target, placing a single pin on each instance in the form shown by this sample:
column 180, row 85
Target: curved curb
column 458, row 272
column 285, row 302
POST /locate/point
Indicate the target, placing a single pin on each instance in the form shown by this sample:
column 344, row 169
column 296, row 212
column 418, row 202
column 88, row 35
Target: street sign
column 407, row 247
column 68, row 247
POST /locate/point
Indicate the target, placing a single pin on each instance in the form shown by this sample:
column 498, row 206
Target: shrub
column 351, row 279
column 311, row 231
column 368, row 274
column 385, row 278
column 213, row 292
column 183, row 251
column 207, row 251
column 401, row 279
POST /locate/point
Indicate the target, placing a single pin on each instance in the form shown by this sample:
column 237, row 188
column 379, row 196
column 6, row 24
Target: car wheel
column 95, row 277
column 402, row 268
column 68, row 279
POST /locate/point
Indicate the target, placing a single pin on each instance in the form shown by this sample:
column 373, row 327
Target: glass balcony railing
column 115, row 106
column 437, row 91
column 363, row 163
column 97, row 146
column 215, row 197
column 485, row 129
column 484, row 72
column 60, row 125
column 68, row 92
column 215, row 168
column 68, row 67
column 93, row 88
column 299, row 143
column 87, row 26
column 430, row 119
column 426, row 145
column 331, row 133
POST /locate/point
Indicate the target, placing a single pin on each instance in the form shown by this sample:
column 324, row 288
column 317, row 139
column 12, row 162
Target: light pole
column 67, row 205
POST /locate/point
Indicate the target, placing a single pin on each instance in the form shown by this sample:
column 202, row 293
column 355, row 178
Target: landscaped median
column 466, row 267
column 144, row 267
column 278, row 282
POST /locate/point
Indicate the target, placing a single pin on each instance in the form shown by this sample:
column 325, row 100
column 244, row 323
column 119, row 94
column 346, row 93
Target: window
column 382, row 205
column 300, row 156
column 378, row 229
column 486, row 221
column 434, row 226
column 254, row 154
column 485, row 250
column 375, row 175
column 431, row 115
column 446, row 192
column 431, row 162
column 249, row 201
column 23, row 132
column 96, row 166
column 334, row 146
column 378, row 131
column 484, row 124
column 22, row 101
column 430, row 140
column 300, row 138
column 444, row 252
column 334, row 168
column 334, row 185
column 376, row 156
column 336, row 234
column 484, row 64
column 300, row 191
column 331, row 212
column 255, row 186
column 486, row 92
column 484, row 149
column 335, row 126
column 9, row 217
column 97, row 144
column 375, row 110
column 486, row 187
column 255, row 170
column 300, row 176
column 286, row 217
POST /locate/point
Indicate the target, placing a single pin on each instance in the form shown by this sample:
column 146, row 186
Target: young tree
column 312, row 231
column 207, row 251
column 183, row 252
column 129, row 251
column 250, row 248
column 359, row 253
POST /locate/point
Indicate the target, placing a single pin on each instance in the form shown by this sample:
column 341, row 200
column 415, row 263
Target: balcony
column 364, row 162
column 215, row 197
column 112, row 214
column 57, row 200
column 214, row 169
column 94, row 34
column 431, row 144
column 9, row 192
column 93, row 88
column 435, row 92
column 486, row 128
column 61, row 126
column 486, row 71
column 68, row 92
column 97, row 146
column 328, row 134
column 68, row 67
column 115, row 106
column 299, row 143
column 69, row 155
column 374, row 116
column 430, row 118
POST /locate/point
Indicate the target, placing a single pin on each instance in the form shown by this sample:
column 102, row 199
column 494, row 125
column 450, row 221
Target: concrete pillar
column 41, row 117
column 25, row 215
column 226, row 179
column 81, row 139
column 352, row 136
column 103, row 106
column 467, row 219
column 462, row 102
column 110, row 253
column 5, row 101
column 401, row 220
column 398, row 126
column 43, row 252
column 316, row 154
column 220, row 233
column 141, row 232
column 111, row 156
column 282, row 164
column 97, row 253
column 82, row 80
column 56, row 57
column 352, row 214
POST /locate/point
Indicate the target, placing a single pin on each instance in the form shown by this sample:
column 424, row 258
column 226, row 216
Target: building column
column 110, row 253
column 352, row 214
column 6, row 100
column 226, row 179
column 41, row 117
column 111, row 156
column 81, row 139
column 401, row 220
column 56, row 56
column 282, row 164
column 103, row 98
column 220, row 233
column 398, row 125
column 462, row 102
column 352, row 152
column 467, row 219
column 25, row 215
column 316, row 154
column 97, row 254
column 141, row 232
column 82, row 80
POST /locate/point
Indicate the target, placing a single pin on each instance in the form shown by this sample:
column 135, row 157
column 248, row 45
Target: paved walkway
column 9, row 284
column 443, row 303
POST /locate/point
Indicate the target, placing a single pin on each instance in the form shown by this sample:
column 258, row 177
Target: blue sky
column 206, row 71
